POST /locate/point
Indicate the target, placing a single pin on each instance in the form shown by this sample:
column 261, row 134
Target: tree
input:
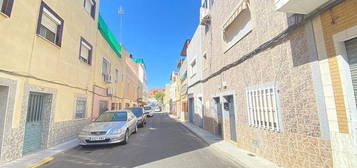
column 159, row 96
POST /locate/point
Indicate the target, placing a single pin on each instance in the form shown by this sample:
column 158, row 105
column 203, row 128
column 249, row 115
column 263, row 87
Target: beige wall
column 26, row 53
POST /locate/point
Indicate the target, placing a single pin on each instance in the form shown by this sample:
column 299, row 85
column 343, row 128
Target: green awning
column 139, row 61
column 108, row 36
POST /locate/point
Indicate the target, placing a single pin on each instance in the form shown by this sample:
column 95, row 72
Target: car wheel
column 126, row 137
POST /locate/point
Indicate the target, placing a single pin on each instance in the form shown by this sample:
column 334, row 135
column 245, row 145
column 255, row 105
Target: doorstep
column 242, row 157
column 38, row 157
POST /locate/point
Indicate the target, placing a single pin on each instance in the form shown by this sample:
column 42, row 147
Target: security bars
column 263, row 111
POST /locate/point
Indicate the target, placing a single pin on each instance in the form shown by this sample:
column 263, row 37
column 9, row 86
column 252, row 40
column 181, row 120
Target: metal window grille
column 80, row 108
column 35, row 107
column 263, row 111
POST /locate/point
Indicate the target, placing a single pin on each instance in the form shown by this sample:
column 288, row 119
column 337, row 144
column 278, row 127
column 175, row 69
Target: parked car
column 139, row 113
column 149, row 111
column 109, row 128
column 158, row 109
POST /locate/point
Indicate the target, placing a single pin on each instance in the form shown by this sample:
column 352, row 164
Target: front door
column 218, row 108
column 229, row 106
column 34, row 123
column 191, row 109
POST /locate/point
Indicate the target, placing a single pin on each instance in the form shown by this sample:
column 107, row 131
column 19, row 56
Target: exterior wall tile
column 287, row 63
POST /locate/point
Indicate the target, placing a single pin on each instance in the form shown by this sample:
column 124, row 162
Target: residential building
column 335, row 32
column 133, row 86
column 108, row 74
column 166, row 107
column 172, row 95
column 194, row 59
column 60, row 68
column 46, row 73
column 143, row 79
column 277, row 78
column 182, row 65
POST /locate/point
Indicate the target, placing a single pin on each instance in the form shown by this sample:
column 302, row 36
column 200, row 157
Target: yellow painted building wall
column 25, row 52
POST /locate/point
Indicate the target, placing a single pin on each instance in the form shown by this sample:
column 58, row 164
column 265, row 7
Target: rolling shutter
column 351, row 48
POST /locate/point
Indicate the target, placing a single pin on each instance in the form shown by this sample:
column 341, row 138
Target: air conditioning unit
column 110, row 91
column 205, row 18
column 108, row 78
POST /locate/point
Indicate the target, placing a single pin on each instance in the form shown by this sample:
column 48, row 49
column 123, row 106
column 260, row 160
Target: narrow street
column 162, row 143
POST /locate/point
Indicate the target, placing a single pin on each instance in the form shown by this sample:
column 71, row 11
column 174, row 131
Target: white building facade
column 194, row 74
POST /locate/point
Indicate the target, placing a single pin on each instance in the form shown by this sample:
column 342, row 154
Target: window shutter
column 93, row 10
column 8, row 8
column 59, row 34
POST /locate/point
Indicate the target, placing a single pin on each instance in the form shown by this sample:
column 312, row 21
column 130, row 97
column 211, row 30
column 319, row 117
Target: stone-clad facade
column 258, row 44
column 288, row 65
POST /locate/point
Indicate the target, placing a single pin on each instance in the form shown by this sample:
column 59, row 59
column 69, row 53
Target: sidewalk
column 41, row 157
column 242, row 157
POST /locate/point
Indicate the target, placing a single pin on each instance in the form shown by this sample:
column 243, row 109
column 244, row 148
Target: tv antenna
column 121, row 12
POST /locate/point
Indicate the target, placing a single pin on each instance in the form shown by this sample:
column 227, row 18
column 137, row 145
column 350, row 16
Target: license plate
column 96, row 138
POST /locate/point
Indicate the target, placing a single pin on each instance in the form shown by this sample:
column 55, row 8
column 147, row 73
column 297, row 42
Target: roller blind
column 84, row 51
column 49, row 23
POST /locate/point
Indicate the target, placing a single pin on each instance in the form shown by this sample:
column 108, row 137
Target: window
column 112, row 116
column 237, row 26
column 50, row 25
column 85, row 53
column 207, row 3
column 90, row 7
column 6, row 6
column 193, row 68
column 263, row 111
column 106, row 70
column 80, row 108
column 117, row 75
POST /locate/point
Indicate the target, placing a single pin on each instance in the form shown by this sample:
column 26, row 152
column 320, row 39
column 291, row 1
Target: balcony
column 299, row 6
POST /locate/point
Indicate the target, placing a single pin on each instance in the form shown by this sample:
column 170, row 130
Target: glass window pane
column 84, row 52
column 1, row 5
column 88, row 6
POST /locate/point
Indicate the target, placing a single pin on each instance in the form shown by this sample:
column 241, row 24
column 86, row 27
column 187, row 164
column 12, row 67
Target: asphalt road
column 163, row 143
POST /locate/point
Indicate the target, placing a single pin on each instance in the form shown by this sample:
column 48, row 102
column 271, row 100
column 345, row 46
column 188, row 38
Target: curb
column 42, row 162
column 41, row 158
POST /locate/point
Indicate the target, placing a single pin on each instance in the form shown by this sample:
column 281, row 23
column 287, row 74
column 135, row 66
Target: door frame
column 339, row 40
column 191, row 110
column 7, row 116
column 225, row 116
column 216, row 109
column 48, row 112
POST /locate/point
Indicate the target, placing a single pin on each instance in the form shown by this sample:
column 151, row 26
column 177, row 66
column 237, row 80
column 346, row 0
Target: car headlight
column 84, row 132
column 116, row 132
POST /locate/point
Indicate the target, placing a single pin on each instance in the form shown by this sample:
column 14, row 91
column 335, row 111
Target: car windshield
column 137, row 111
column 112, row 117
column 147, row 108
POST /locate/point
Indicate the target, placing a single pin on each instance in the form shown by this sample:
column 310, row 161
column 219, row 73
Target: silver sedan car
column 109, row 128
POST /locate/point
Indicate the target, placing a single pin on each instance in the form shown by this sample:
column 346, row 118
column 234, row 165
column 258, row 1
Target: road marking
column 42, row 162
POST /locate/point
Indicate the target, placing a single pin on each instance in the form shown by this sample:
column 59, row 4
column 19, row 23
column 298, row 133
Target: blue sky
column 154, row 30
